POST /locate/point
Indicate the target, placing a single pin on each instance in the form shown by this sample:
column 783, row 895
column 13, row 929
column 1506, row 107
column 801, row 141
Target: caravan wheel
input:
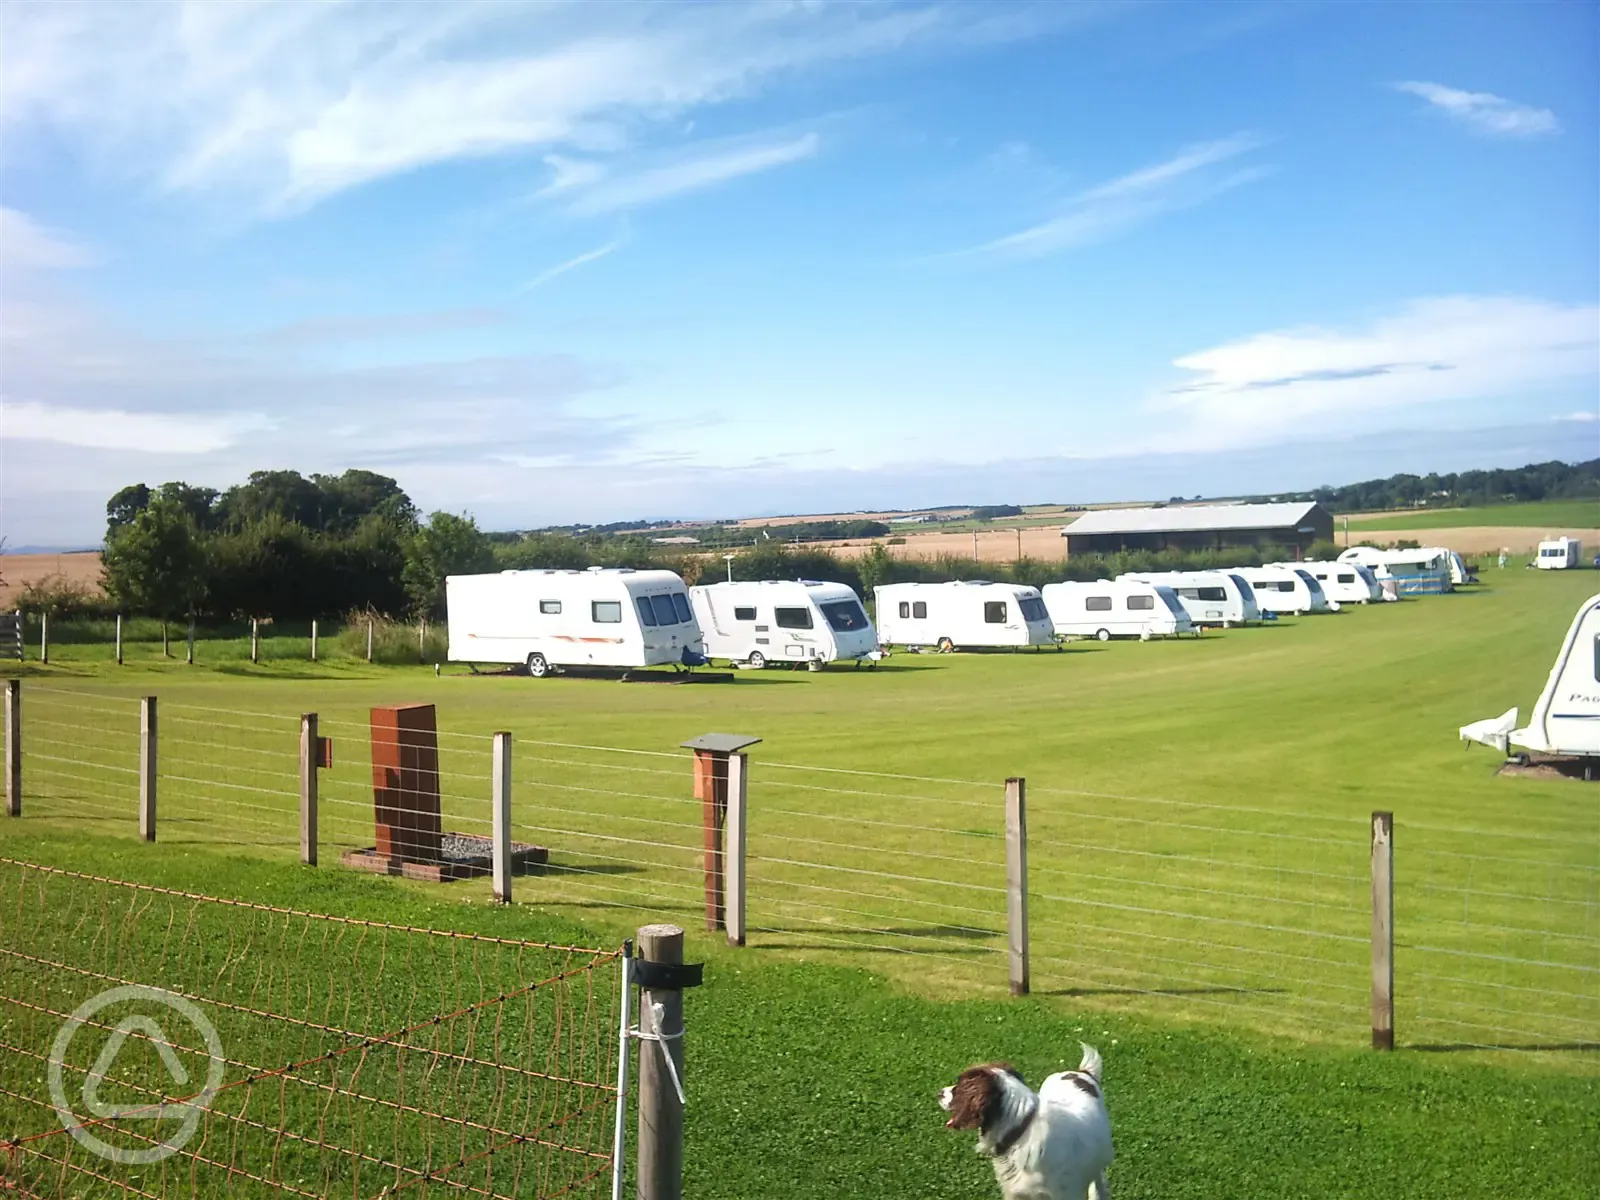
column 757, row 660
column 537, row 666
column 1104, row 635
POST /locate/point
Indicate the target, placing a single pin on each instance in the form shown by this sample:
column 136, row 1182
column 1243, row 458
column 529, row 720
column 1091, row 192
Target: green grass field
column 1198, row 847
column 1551, row 514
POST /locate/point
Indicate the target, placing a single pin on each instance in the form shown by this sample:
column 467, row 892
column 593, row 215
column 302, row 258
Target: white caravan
column 1566, row 717
column 1425, row 570
column 1344, row 582
column 547, row 620
column 1559, row 554
column 783, row 620
column 1209, row 597
column 964, row 613
column 1123, row 608
column 1286, row 590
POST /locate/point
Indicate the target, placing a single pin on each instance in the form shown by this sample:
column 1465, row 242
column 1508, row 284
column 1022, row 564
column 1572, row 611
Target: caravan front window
column 994, row 612
column 792, row 618
column 1033, row 609
column 680, row 605
column 844, row 616
column 665, row 613
column 606, row 612
column 646, row 613
column 1171, row 601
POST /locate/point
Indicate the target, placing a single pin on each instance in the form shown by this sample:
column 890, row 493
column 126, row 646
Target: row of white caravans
column 546, row 620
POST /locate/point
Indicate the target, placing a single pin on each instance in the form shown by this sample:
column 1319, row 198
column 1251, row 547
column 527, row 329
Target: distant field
column 1556, row 514
column 17, row 571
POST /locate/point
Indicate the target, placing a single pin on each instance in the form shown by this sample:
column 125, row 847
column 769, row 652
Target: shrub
column 393, row 642
column 63, row 597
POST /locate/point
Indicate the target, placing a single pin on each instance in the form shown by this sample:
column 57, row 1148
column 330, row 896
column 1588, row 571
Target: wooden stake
column 313, row 639
column 308, row 788
column 1382, row 931
column 14, row 747
column 1017, row 883
column 147, row 768
column 500, row 817
column 189, row 653
column 119, row 639
column 255, row 640
column 734, row 846
column 369, row 639
column 44, row 637
column 660, row 1170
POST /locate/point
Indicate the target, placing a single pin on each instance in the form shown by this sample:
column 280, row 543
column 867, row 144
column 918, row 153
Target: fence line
column 1238, row 911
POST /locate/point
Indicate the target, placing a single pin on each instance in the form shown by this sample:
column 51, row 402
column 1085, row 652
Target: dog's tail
column 1091, row 1064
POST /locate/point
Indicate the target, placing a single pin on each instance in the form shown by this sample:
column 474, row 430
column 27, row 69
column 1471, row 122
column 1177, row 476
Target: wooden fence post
column 313, row 639
column 369, row 639
column 44, row 637
column 119, row 639
column 711, row 785
column 734, row 858
column 14, row 747
column 422, row 639
column 309, row 760
column 1383, row 931
column 189, row 654
column 500, row 817
column 147, row 768
column 1017, row 883
column 255, row 640
column 660, row 1171
column 166, row 644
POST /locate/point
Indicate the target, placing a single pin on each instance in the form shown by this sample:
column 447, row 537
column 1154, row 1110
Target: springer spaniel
column 1053, row 1144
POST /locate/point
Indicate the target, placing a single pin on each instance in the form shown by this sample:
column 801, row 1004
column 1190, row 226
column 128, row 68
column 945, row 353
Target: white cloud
column 27, row 245
column 690, row 173
column 1444, row 349
column 280, row 105
column 1485, row 111
column 137, row 433
column 577, row 260
column 1192, row 176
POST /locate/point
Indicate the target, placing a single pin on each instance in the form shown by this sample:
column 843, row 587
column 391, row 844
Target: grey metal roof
column 1191, row 518
column 720, row 743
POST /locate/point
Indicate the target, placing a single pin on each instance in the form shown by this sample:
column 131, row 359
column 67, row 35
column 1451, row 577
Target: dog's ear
column 970, row 1098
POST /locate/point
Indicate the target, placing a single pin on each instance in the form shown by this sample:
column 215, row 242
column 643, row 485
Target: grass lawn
column 1553, row 514
column 1198, row 849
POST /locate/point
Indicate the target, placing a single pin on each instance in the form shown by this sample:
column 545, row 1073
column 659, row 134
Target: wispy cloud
column 281, row 105
column 1439, row 349
column 132, row 432
column 700, row 168
column 1194, row 175
column 27, row 245
column 571, row 264
column 1485, row 111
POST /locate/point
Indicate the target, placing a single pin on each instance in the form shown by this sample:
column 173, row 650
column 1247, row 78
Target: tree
column 355, row 495
column 199, row 502
column 285, row 494
column 156, row 562
column 125, row 506
column 446, row 545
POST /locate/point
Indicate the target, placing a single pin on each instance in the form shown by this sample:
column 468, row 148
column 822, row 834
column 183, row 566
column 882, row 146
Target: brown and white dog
column 1053, row 1144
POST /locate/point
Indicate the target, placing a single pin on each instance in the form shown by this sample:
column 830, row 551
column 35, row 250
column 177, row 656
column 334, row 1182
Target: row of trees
column 1465, row 489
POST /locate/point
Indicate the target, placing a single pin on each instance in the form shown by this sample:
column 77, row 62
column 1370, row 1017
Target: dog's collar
column 1003, row 1146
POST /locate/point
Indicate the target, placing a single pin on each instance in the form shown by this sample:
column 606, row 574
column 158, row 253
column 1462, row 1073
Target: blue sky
column 597, row 261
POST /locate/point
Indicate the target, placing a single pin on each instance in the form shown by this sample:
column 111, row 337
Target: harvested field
column 17, row 571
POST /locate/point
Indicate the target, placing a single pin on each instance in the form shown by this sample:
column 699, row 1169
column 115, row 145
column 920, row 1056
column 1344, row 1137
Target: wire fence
column 1250, row 915
column 156, row 1042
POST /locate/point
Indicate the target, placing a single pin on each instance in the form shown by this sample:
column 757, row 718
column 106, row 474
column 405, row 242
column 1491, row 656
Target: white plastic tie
column 661, row 1039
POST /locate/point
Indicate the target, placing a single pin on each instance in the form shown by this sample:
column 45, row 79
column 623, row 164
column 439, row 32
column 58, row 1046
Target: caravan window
column 1214, row 594
column 919, row 609
column 680, row 605
column 1033, row 609
column 606, row 612
column 1098, row 603
column 844, row 616
column 994, row 612
column 1138, row 603
column 550, row 608
column 792, row 618
column 1597, row 658
column 749, row 614
column 662, row 606
column 1343, row 578
column 646, row 613
column 905, row 609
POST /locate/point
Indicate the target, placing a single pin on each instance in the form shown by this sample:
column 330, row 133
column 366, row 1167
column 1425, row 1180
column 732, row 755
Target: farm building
column 1199, row 527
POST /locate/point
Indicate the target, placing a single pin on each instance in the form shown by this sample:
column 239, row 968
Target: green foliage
column 1324, row 551
column 394, row 643
column 988, row 512
column 447, row 545
column 156, row 563
column 61, row 597
column 1537, row 481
